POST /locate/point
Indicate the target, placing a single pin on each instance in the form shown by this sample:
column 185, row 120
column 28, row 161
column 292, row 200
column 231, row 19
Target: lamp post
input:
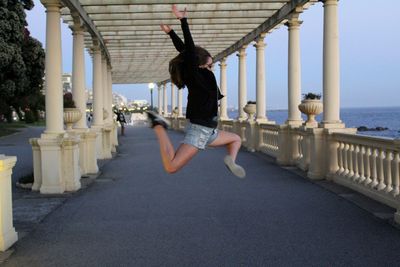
column 151, row 87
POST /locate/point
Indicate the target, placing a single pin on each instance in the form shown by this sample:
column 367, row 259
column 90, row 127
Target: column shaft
column 53, row 70
column 294, row 71
column 78, row 75
column 223, row 86
column 110, row 94
column 260, row 78
column 165, row 98
column 180, row 97
column 160, row 101
column 173, row 97
column 242, row 97
column 331, row 75
column 104, row 86
column 97, row 88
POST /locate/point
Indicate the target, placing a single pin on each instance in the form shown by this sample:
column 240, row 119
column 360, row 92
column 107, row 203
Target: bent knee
column 171, row 169
column 237, row 139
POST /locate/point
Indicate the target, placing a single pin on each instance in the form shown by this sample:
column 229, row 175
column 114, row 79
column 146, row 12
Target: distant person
column 193, row 68
column 122, row 121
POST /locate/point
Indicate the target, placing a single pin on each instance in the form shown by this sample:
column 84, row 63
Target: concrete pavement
column 134, row 214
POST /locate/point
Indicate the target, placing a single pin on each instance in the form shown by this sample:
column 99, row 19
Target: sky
column 369, row 57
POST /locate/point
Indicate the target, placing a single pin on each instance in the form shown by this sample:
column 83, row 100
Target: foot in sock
column 156, row 119
column 233, row 167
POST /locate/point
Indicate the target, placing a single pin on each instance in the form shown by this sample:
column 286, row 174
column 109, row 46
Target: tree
column 21, row 59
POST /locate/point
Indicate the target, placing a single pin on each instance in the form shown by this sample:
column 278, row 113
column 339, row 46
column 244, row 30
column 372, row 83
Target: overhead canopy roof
column 139, row 51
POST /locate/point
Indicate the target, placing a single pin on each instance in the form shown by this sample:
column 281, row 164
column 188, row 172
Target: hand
column 165, row 28
column 178, row 14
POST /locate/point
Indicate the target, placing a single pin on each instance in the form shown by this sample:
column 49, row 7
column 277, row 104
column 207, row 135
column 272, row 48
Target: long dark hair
column 176, row 65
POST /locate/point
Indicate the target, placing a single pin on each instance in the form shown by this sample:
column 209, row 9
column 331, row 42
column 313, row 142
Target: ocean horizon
column 352, row 117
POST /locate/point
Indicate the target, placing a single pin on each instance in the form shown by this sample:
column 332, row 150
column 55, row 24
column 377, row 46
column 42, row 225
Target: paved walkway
column 135, row 214
column 18, row 145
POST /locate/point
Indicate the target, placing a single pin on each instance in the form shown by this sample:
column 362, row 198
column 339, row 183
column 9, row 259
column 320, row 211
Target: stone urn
column 71, row 116
column 311, row 107
column 250, row 110
column 105, row 114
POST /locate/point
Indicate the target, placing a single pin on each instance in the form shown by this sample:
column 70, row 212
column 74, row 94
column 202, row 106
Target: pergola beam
column 76, row 6
column 131, row 8
column 268, row 25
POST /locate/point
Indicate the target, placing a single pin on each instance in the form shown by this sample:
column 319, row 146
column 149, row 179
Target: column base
column 264, row 121
column 52, row 189
column 225, row 119
column 7, row 239
column 37, row 164
column 295, row 123
column 107, row 142
column 332, row 125
column 87, row 151
column 71, row 169
column 51, row 164
column 98, row 129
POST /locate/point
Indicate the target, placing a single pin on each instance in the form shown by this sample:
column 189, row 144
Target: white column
column 331, row 75
column 104, row 84
column 165, row 98
column 78, row 74
column 180, row 99
column 8, row 236
column 260, row 79
column 294, row 70
column 223, row 87
column 97, row 88
column 173, row 97
column 242, row 97
column 109, row 91
column 160, row 101
column 98, row 121
column 53, row 69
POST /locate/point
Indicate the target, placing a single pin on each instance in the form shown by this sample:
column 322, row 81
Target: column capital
column 95, row 48
column 293, row 19
column 329, row 2
column 222, row 63
column 259, row 41
column 51, row 3
column 242, row 51
column 78, row 26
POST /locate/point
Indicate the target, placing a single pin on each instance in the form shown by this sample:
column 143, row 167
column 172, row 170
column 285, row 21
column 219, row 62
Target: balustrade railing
column 304, row 148
column 268, row 142
column 369, row 165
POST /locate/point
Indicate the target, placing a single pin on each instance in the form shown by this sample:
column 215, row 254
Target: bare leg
column 230, row 140
column 171, row 159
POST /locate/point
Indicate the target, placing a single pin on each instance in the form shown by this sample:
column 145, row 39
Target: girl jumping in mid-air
column 193, row 68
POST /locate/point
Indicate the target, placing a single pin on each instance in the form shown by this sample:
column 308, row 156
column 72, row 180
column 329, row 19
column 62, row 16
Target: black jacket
column 202, row 105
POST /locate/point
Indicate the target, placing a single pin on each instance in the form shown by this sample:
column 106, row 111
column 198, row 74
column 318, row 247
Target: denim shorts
column 199, row 136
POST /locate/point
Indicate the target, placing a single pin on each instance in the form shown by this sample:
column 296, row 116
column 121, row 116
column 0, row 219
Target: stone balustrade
column 268, row 142
column 369, row 165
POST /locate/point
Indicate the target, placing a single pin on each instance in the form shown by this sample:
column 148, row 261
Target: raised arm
column 181, row 15
column 179, row 45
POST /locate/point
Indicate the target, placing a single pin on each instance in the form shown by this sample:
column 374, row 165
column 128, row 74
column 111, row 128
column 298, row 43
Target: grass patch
column 37, row 123
column 10, row 128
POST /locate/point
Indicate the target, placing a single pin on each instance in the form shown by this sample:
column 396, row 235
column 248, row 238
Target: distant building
column 67, row 82
column 119, row 100
column 139, row 103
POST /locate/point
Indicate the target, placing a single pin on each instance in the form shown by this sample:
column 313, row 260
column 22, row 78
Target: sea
column 385, row 117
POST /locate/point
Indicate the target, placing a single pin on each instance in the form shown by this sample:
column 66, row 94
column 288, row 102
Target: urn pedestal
column 311, row 107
